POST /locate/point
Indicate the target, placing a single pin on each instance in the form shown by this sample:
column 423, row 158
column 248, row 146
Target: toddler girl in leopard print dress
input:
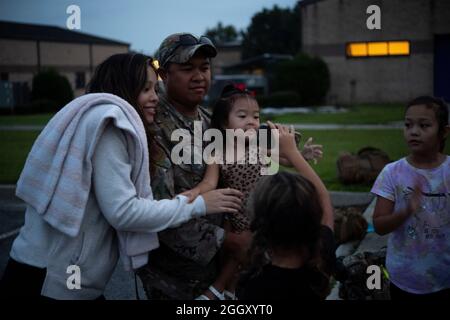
column 239, row 166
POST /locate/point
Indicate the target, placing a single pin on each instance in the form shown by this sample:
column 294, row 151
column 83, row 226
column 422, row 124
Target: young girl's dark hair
column 123, row 75
column 222, row 108
column 287, row 213
column 287, row 216
column 440, row 110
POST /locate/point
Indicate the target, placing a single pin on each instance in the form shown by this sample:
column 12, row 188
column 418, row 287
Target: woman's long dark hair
column 124, row 75
column 287, row 213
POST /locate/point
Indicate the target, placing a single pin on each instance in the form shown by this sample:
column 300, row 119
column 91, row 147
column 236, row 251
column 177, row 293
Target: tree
column 221, row 34
column 308, row 77
column 273, row 30
column 51, row 89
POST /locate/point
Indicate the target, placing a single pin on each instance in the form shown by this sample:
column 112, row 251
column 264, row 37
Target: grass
column 32, row 119
column 14, row 147
column 360, row 114
column 336, row 141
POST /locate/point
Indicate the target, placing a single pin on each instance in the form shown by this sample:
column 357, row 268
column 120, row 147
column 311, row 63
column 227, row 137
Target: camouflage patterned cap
column 180, row 47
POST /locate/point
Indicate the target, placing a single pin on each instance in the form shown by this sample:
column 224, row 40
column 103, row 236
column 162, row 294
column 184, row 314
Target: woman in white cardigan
column 86, row 184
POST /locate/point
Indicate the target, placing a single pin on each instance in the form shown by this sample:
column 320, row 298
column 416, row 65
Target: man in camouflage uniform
column 185, row 264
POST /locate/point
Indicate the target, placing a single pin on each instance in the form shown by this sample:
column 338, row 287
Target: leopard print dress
column 242, row 177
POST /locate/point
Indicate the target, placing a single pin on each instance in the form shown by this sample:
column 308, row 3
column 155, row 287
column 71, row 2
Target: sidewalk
column 21, row 128
column 332, row 126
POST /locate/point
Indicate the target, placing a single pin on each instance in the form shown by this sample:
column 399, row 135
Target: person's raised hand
column 312, row 152
column 414, row 200
column 286, row 139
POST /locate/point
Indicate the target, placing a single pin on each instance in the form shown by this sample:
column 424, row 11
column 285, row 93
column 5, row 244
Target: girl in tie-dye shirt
column 413, row 205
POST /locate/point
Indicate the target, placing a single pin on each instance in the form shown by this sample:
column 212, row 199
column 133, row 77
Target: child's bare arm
column 302, row 166
column 289, row 151
column 384, row 219
column 209, row 182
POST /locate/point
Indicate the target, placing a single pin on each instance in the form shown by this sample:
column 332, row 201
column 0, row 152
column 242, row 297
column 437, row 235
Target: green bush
column 51, row 91
column 280, row 99
column 308, row 77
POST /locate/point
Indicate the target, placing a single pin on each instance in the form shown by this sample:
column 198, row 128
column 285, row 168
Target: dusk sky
column 142, row 23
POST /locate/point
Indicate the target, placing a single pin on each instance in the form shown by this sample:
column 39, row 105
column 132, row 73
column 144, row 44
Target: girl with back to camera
column 413, row 206
column 238, row 109
column 288, row 228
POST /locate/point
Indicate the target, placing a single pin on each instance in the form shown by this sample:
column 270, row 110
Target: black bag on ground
column 353, row 276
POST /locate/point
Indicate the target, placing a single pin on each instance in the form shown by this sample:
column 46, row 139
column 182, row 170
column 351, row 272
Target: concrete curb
column 344, row 198
column 21, row 128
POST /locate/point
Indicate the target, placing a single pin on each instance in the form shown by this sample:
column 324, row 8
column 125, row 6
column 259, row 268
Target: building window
column 80, row 80
column 378, row 49
column 4, row 76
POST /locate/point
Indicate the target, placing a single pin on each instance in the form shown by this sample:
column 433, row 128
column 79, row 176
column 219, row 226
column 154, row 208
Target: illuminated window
column 398, row 48
column 378, row 49
column 357, row 49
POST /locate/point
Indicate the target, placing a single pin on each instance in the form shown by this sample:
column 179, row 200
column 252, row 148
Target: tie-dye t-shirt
column 418, row 253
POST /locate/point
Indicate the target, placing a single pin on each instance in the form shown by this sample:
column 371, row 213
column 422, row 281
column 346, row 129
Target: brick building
column 228, row 53
column 408, row 56
column 25, row 49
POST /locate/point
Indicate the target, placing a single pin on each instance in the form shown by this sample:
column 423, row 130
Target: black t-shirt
column 276, row 283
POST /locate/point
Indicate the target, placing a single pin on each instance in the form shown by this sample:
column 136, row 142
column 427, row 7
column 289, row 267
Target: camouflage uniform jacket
column 183, row 266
